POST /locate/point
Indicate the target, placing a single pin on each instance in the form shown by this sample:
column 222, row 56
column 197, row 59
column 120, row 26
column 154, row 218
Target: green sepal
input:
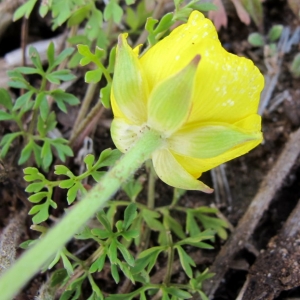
column 175, row 91
column 130, row 87
column 209, row 141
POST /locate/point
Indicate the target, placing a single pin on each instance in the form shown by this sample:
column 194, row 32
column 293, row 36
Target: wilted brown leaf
column 219, row 17
column 241, row 12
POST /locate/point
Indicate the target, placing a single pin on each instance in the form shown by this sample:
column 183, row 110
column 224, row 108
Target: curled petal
column 130, row 88
column 124, row 134
column 172, row 173
column 210, row 140
column 170, row 102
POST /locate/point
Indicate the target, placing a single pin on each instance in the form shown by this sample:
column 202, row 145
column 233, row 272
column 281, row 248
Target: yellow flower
column 201, row 99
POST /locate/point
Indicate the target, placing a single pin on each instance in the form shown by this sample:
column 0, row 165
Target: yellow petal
column 172, row 173
column 174, row 52
column 137, row 49
column 124, row 134
column 228, row 87
column 209, row 140
column 191, row 165
column 251, row 123
column 170, row 102
column 197, row 166
column 130, row 88
column 116, row 110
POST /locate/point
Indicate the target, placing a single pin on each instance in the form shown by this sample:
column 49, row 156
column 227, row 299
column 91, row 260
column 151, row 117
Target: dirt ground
column 261, row 258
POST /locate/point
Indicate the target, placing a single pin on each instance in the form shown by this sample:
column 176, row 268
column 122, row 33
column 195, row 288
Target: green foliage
column 255, row 10
column 43, row 188
column 72, row 12
column 208, row 222
column 135, row 19
column 35, row 100
column 158, row 29
column 275, row 33
column 257, row 40
column 76, row 13
column 182, row 12
column 113, row 11
column 115, row 238
column 155, row 32
column 95, row 75
column 132, row 188
column 24, row 10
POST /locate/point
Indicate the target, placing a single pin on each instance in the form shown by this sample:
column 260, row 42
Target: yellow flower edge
column 201, row 99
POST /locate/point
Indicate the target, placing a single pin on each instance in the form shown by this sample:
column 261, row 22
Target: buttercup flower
column 201, row 99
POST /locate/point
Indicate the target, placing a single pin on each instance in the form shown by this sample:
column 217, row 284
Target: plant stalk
column 170, row 259
column 150, row 203
column 35, row 258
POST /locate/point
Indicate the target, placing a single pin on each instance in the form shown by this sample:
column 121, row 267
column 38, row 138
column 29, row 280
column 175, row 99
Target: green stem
column 150, row 202
column 73, row 257
column 33, row 122
column 19, row 123
column 125, row 203
column 151, row 186
column 104, row 71
column 170, row 259
column 36, row 257
column 35, row 114
column 82, row 268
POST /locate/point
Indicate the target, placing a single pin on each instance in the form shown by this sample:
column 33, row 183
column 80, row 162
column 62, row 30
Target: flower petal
column 250, row 123
column 172, row 95
column 124, row 134
column 172, row 173
column 228, row 87
column 196, row 166
column 130, row 89
column 116, row 110
column 175, row 51
column 210, row 140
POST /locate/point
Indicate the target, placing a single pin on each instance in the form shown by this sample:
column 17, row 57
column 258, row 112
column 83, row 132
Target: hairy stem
column 36, row 257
